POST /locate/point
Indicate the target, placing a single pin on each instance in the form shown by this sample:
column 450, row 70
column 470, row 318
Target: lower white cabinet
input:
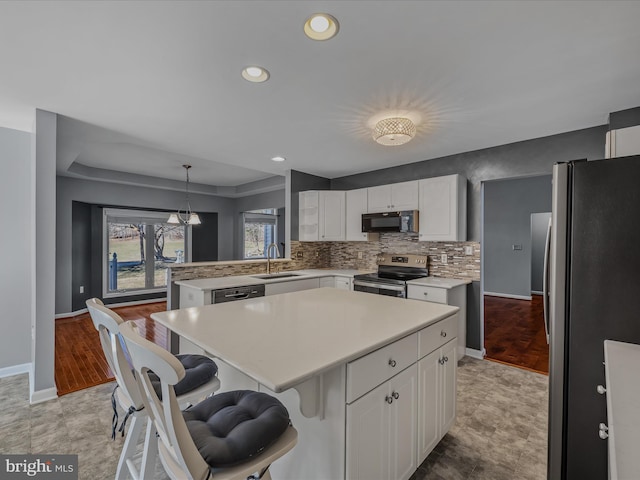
column 436, row 397
column 344, row 283
column 291, row 286
column 381, row 430
column 456, row 296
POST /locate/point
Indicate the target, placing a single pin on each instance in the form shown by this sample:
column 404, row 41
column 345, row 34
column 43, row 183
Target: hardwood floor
column 79, row 361
column 514, row 333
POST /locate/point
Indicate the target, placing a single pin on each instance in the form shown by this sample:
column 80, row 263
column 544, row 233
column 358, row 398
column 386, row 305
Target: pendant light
column 186, row 217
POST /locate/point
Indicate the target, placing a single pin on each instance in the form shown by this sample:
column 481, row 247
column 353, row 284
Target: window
column 139, row 247
column 259, row 231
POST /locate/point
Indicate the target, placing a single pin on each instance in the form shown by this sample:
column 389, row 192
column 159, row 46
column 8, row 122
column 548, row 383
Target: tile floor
column 500, row 432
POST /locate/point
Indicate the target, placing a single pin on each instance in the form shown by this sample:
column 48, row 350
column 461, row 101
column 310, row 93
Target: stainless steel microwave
column 403, row 222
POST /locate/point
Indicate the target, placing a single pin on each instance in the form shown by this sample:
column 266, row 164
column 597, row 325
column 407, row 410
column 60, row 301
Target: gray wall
column 539, row 227
column 15, row 248
column 273, row 199
column 102, row 193
column 530, row 157
column 508, row 205
column 43, row 158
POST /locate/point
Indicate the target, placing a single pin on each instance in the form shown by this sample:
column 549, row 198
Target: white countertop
column 282, row 340
column 242, row 280
column 622, row 361
column 439, row 282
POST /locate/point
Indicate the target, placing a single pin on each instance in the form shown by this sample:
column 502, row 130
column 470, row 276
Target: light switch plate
column 359, row 255
column 468, row 250
column 443, row 258
column 517, row 246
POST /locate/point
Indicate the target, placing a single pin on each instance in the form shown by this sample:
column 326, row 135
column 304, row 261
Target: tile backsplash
column 350, row 255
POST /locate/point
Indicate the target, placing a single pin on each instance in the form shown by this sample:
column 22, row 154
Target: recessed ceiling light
column 278, row 159
column 321, row 26
column 255, row 74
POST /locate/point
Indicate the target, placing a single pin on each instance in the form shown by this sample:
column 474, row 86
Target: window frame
column 259, row 214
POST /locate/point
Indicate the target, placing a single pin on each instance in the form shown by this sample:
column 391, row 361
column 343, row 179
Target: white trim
column 508, row 295
column 472, row 352
column 15, row 370
column 112, row 305
column 536, row 292
column 43, row 395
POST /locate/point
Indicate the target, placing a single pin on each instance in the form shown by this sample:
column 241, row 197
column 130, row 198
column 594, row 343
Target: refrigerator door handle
column 545, row 282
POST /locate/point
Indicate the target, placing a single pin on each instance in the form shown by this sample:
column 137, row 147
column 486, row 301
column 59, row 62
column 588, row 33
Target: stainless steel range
column 393, row 273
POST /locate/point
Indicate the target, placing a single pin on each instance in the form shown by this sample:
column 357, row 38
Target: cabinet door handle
column 426, row 294
column 388, row 399
column 395, row 395
column 392, row 363
column 441, row 361
column 601, row 390
column 442, row 333
column 602, row 432
column 446, row 359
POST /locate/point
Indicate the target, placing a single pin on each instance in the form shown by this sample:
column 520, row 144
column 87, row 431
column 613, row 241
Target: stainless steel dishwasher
column 237, row 293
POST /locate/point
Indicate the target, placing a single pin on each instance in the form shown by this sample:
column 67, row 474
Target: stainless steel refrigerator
column 594, row 294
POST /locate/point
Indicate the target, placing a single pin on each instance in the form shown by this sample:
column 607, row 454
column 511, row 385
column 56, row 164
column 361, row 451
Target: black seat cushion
column 231, row 427
column 198, row 370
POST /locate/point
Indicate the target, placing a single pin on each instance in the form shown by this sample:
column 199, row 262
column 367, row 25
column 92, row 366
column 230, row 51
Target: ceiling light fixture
column 255, row 74
column 186, row 217
column 321, row 26
column 394, row 131
column 278, row 159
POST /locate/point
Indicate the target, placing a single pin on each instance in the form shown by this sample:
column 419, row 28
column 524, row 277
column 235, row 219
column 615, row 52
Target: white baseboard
column 15, row 370
column 471, row 352
column 43, row 395
column 508, row 295
column 535, row 292
column 112, row 305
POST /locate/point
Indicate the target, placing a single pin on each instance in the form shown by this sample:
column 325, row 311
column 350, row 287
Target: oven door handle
column 382, row 286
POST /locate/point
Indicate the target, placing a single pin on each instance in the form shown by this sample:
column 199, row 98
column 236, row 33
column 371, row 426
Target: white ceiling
column 143, row 87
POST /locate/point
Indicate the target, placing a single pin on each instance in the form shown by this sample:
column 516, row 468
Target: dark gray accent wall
column 204, row 238
column 508, row 205
column 520, row 159
column 81, row 254
column 624, row 118
column 299, row 183
column 473, row 316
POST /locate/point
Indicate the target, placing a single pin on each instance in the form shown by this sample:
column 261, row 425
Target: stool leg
column 149, row 453
column 130, row 444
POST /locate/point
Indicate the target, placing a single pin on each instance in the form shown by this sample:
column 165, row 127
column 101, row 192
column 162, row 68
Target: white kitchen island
column 369, row 380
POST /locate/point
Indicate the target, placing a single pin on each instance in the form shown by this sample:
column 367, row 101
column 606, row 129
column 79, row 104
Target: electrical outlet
column 81, row 288
column 517, row 246
column 443, row 258
column 359, row 255
column 468, row 250
column 299, row 254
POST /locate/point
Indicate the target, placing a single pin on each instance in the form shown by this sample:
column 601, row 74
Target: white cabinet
column 381, row 430
column 328, row 282
column 291, row 286
column 356, row 205
column 622, row 142
column 344, row 283
column 456, row 296
column 321, row 216
column 436, row 397
column 443, row 208
column 393, row 197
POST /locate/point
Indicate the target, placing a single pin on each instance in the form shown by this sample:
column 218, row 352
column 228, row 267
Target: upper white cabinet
column 443, row 208
column 321, row 216
column 393, row 197
column 356, row 206
column 622, row 142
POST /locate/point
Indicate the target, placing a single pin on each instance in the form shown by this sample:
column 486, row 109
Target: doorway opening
column 515, row 217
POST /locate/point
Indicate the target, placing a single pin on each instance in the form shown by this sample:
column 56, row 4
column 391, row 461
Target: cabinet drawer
column 429, row 294
column 436, row 335
column 368, row 372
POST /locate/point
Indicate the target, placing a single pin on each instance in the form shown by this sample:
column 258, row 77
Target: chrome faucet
column 269, row 256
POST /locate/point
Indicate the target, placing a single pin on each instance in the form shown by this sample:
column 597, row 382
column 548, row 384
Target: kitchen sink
column 276, row 275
